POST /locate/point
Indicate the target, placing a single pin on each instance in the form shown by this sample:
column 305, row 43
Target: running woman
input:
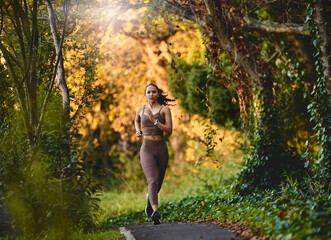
column 151, row 122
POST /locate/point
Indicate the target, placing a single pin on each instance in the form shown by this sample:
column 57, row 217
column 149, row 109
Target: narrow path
column 178, row 231
column 4, row 223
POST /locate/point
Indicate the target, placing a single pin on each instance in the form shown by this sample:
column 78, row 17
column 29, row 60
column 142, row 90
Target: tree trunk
column 324, row 32
column 320, row 107
column 60, row 70
column 32, row 89
column 22, row 62
column 179, row 145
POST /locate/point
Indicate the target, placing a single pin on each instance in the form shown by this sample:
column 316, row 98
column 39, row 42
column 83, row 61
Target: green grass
column 106, row 235
column 110, row 234
column 184, row 182
column 119, row 202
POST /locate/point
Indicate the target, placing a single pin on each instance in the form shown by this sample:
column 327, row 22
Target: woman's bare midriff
column 154, row 137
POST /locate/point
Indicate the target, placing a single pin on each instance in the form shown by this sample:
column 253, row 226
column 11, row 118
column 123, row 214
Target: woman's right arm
column 137, row 122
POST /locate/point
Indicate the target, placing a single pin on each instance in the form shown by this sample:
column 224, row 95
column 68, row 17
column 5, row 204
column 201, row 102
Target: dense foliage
column 47, row 188
column 6, row 98
column 46, row 191
column 198, row 92
column 293, row 211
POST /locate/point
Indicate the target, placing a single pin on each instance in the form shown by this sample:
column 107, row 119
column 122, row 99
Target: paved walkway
column 177, row 231
column 4, row 224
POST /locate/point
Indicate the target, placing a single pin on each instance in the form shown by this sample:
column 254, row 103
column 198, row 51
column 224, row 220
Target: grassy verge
column 294, row 211
column 182, row 183
column 271, row 214
column 121, row 202
column 110, row 234
column 101, row 235
column 291, row 212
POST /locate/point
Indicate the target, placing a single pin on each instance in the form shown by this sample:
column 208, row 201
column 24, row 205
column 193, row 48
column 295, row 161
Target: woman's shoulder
column 140, row 109
column 165, row 109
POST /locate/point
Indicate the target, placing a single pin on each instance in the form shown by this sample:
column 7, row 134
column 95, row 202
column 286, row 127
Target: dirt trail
column 178, row 231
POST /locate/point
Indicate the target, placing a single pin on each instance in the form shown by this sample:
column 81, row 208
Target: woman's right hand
column 138, row 133
column 150, row 115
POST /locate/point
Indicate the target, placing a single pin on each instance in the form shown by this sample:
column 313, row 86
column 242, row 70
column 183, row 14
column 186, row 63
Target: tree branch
column 199, row 17
column 21, row 27
column 53, row 76
column 8, row 56
column 60, row 70
column 17, row 27
column 248, row 66
column 276, row 27
column 164, row 37
column 1, row 19
column 17, row 84
column 188, row 13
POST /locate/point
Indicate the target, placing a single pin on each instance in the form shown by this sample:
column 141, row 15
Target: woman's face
column 151, row 94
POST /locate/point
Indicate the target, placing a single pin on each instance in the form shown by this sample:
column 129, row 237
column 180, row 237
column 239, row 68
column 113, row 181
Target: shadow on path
column 179, row 230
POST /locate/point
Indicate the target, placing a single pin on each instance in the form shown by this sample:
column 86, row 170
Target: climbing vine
column 319, row 108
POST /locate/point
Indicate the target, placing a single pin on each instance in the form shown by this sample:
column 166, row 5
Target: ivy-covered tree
column 320, row 107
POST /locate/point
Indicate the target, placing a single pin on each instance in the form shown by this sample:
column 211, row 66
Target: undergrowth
column 185, row 181
column 293, row 211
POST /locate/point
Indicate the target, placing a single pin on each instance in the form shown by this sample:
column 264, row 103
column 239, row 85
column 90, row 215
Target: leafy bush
column 6, row 99
column 267, row 166
column 48, row 189
column 197, row 90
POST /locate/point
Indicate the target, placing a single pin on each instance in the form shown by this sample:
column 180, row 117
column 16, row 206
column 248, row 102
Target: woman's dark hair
column 162, row 99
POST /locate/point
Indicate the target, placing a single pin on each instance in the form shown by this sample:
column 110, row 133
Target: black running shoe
column 148, row 209
column 156, row 217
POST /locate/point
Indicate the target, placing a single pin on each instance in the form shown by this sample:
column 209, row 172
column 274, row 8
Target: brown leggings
column 154, row 160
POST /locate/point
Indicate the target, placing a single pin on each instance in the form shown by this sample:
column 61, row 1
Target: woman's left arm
column 167, row 127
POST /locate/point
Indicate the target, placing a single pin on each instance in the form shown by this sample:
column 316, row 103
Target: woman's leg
column 154, row 158
column 150, row 168
column 162, row 164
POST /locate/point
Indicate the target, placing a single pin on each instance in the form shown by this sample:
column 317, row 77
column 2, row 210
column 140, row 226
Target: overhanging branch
column 276, row 27
column 188, row 13
column 199, row 17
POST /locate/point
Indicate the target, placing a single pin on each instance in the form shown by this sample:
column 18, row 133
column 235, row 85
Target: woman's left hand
column 150, row 115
